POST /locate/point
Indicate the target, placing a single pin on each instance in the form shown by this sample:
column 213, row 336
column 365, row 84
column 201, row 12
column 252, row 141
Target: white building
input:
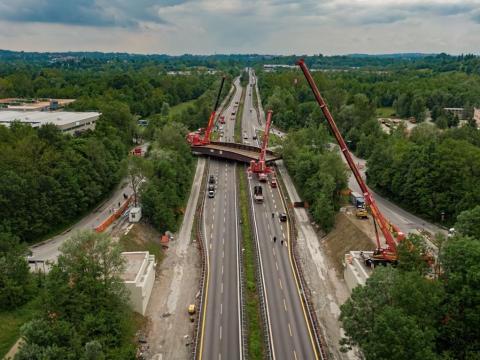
column 139, row 276
column 476, row 116
column 135, row 214
column 67, row 121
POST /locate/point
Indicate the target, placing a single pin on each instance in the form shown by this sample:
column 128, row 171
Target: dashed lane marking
column 280, row 281
column 294, row 354
column 221, row 291
column 276, row 265
column 220, row 332
column 285, row 304
column 290, row 329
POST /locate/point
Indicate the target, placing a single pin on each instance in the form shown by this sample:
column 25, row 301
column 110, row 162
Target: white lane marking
column 273, row 251
column 221, row 310
column 223, row 253
column 220, row 332
column 219, row 356
column 283, row 234
column 280, row 281
column 294, row 354
column 212, row 225
column 285, row 304
column 210, row 246
column 222, row 269
column 290, row 329
column 223, row 241
column 223, row 218
column 221, row 289
column 276, row 265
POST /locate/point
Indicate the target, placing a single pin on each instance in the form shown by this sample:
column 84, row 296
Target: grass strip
column 238, row 119
column 252, row 302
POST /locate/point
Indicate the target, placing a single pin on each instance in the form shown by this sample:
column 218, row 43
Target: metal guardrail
column 304, row 289
column 201, row 246
column 258, row 277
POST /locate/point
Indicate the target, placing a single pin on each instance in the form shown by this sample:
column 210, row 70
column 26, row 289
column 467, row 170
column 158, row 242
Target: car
column 273, row 183
column 211, row 180
column 211, row 187
column 211, row 194
column 254, row 137
column 282, row 217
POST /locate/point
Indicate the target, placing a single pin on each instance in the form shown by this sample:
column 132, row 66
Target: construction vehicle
column 201, row 137
column 383, row 254
column 358, row 202
column 258, row 194
column 260, row 167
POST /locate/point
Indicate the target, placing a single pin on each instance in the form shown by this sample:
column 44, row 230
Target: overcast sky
column 242, row 26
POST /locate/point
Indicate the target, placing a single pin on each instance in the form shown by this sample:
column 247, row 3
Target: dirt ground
column 322, row 258
column 349, row 234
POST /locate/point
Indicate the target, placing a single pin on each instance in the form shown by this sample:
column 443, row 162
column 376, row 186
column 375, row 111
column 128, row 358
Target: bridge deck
column 232, row 151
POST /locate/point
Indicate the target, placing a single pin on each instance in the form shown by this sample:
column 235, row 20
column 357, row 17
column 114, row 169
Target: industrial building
column 17, row 104
column 139, row 276
column 68, row 122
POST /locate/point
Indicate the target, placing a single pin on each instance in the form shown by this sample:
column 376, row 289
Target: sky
column 242, row 26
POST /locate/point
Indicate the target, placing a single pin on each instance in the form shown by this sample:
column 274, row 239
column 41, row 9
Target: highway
column 290, row 334
column 222, row 332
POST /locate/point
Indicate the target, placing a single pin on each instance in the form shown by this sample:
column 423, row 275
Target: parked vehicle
column 358, row 201
column 282, row 217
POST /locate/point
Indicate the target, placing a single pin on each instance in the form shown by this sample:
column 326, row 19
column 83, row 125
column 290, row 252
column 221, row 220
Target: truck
column 137, row 151
column 358, row 201
column 258, row 194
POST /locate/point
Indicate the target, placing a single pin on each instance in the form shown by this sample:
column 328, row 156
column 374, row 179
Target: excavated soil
column 349, row 234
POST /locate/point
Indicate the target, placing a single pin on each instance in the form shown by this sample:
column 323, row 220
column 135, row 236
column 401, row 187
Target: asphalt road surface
column 222, row 334
column 290, row 336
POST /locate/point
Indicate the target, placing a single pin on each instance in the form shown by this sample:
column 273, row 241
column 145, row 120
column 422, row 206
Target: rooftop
column 133, row 264
column 39, row 118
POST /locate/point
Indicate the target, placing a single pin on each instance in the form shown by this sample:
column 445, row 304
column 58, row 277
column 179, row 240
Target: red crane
column 381, row 255
column 202, row 136
column 260, row 167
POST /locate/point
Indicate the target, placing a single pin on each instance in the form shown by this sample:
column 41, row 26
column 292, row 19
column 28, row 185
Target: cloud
column 208, row 26
column 123, row 13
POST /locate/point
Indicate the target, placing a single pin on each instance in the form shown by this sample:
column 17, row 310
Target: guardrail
column 304, row 290
column 201, row 246
column 258, row 277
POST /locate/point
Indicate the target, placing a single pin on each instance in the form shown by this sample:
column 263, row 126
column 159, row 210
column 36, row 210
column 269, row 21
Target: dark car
column 282, row 217
column 211, row 180
column 211, row 187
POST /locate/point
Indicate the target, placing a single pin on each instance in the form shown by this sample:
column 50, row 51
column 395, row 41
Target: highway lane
column 290, row 334
column 222, row 333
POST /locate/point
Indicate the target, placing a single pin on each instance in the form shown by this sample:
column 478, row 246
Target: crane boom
column 266, row 135
column 260, row 167
column 211, row 120
column 195, row 138
column 390, row 252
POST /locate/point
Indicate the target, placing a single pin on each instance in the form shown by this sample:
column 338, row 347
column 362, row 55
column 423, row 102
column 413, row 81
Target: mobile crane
column 382, row 255
column 260, row 167
column 202, row 136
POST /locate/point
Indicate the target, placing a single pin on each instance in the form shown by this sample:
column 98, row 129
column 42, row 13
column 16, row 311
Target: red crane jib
column 390, row 252
column 260, row 166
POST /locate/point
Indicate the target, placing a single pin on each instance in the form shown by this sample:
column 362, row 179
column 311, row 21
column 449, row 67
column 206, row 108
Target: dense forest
column 403, row 314
column 317, row 170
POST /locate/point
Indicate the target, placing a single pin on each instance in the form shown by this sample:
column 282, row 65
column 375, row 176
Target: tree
column 394, row 316
column 84, row 304
column 459, row 333
column 468, row 223
column 15, row 279
column 138, row 170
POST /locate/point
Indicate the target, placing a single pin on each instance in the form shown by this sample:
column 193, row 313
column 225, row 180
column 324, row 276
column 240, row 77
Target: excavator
column 382, row 255
column 202, row 136
column 260, row 167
